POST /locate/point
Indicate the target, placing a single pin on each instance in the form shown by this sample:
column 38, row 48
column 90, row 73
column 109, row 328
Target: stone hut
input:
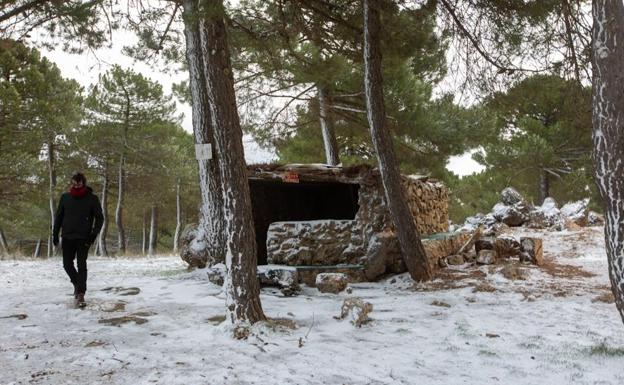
column 320, row 218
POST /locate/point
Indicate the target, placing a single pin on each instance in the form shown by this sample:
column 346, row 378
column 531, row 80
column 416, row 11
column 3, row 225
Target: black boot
column 80, row 300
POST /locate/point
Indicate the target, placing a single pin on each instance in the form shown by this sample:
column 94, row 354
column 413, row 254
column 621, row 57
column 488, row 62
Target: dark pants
column 78, row 249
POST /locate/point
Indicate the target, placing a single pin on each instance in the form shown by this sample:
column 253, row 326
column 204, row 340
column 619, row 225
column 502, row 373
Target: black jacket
column 80, row 218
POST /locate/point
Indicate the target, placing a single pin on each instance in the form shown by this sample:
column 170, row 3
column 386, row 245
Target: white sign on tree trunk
column 203, row 151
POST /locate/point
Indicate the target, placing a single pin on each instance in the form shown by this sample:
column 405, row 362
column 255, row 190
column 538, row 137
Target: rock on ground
column 357, row 310
column 331, row 282
column 486, row 257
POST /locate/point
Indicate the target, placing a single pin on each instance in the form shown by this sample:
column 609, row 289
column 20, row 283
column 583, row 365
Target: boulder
column 546, row 216
column 510, row 196
column 193, row 248
column 331, row 282
column 495, row 230
column 486, row 257
column 484, row 244
column 478, row 220
column 216, row 274
column 576, row 212
column 506, row 246
column 514, row 215
column 357, row 310
column 532, row 250
column 284, row 277
column 595, row 219
column 383, row 250
column 549, row 203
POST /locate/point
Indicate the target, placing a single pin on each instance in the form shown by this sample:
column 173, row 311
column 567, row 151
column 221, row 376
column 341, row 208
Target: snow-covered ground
column 480, row 328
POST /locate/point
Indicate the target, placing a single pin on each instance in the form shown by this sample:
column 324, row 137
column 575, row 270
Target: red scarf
column 78, row 192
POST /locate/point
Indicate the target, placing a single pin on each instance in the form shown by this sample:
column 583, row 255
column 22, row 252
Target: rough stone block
column 331, row 282
column 532, row 249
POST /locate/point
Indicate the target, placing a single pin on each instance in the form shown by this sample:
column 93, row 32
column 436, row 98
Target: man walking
column 79, row 214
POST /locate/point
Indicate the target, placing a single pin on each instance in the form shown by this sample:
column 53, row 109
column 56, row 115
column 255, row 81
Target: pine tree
column 312, row 51
column 412, row 249
column 542, row 131
column 127, row 104
column 41, row 110
column 241, row 285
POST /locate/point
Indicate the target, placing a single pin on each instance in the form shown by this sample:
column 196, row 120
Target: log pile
column 428, row 201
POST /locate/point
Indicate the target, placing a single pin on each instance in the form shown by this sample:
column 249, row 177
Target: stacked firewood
column 428, row 200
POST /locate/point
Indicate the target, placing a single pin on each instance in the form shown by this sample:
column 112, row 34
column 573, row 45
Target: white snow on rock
column 576, row 211
column 544, row 329
column 500, row 210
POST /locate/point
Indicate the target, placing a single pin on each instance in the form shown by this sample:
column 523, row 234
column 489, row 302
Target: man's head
column 78, row 180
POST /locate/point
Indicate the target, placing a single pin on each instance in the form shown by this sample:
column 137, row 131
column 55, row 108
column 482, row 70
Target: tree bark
column 608, row 132
column 566, row 10
column 121, row 235
column 544, row 186
column 330, row 143
column 153, row 231
column 51, row 192
column 102, row 248
column 144, row 234
column 37, row 249
column 211, row 218
column 4, row 246
column 413, row 251
column 176, row 234
column 241, row 285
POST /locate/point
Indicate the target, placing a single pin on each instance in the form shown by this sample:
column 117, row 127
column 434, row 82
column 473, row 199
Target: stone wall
column 332, row 242
column 307, row 243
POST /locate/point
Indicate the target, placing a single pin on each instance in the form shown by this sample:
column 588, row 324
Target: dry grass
column 558, row 270
column 483, row 288
column 606, row 297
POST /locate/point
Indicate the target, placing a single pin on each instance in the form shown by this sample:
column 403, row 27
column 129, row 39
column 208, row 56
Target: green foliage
column 38, row 106
column 541, row 126
column 543, row 130
column 603, row 349
column 299, row 47
column 38, row 110
column 72, row 24
column 129, row 115
column 472, row 194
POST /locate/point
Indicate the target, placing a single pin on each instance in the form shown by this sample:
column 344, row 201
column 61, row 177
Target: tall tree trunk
column 241, row 285
column 153, row 231
column 144, row 234
column 211, row 218
column 413, row 251
column 176, row 234
column 4, row 246
column 103, row 249
column 51, row 192
column 567, row 16
column 121, row 235
column 608, row 132
column 544, row 186
column 332, row 156
column 37, row 249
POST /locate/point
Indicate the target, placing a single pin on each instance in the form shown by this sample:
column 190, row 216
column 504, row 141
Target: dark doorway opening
column 275, row 201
